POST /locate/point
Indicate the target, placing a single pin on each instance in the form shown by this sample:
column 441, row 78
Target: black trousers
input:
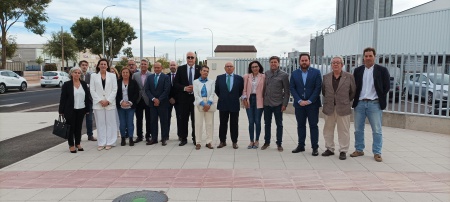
column 161, row 114
column 75, row 122
column 234, row 125
column 177, row 115
column 140, row 109
column 186, row 110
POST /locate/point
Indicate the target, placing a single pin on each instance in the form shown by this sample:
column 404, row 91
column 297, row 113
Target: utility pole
column 62, row 49
column 154, row 55
column 110, row 51
column 376, row 11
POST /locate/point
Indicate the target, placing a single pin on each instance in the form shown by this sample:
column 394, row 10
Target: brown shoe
column 265, row 146
column 222, row 144
column 357, row 153
column 235, row 146
column 92, row 138
column 280, row 148
column 378, row 158
column 209, row 146
column 197, row 147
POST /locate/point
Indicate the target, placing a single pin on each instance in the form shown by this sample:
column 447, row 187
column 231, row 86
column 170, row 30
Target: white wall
column 217, row 65
column 417, row 33
column 236, row 54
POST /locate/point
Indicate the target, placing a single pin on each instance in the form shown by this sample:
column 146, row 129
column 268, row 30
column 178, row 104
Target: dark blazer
column 380, row 81
column 229, row 100
column 66, row 102
column 308, row 91
column 182, row 80
column 133, row 92
column 161, row 91
column 173, row 92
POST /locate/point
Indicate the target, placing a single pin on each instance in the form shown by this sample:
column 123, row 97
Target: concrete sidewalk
column 415, row 167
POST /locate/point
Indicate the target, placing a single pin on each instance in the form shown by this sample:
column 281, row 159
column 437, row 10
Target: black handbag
column 61, row 128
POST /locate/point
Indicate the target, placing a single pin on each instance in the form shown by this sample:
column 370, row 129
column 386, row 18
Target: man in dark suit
column 86, row 77
column 142, row 103
column 305, row 86
column 157, row 89
column 372, row 86
column 186, row 74
column 173, row 103
column 228, row 89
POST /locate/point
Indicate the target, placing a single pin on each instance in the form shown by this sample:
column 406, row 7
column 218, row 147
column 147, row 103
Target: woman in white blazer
column 205, row 106
column 103, row 88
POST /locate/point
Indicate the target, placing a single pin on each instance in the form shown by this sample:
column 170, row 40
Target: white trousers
column 106, row 123
column 343, row 130
column 208, row 118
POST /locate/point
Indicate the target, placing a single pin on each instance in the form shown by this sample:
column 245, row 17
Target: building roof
column 235, row 48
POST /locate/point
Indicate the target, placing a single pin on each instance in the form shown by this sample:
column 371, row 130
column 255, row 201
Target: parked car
column 54, row 78
column 10, row 80
column 445, row 110
column 429, row 83
column 395, row 86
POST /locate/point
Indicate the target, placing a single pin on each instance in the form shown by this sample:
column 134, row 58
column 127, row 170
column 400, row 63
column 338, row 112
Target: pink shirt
column 143, row 78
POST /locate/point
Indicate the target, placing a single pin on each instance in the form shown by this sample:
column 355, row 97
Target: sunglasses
column 190, row 57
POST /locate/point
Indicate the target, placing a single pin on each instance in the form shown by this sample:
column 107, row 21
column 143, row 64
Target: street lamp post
column 175, row 46
column 212, row 41
column 103, row 32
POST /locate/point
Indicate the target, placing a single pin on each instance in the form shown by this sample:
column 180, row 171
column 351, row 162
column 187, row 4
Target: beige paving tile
column 241, row 194
column 183, row 194
column 383, row 196
column 281, row 195
column 349, row 196
column 112, row 193
column 53, row 194
column 19, row 194
column 84, row 194
column 214, row 194
column 315, row 195
column 419, row 197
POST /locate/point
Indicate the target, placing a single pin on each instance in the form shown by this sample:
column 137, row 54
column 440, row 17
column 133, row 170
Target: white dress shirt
column 78, row 97
column 368, row 87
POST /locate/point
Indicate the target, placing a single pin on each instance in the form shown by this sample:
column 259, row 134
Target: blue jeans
column 310, row 112
column 276, row 111
column 89, row 123
column 371, row 110
column 126, row 120
column 254, row 118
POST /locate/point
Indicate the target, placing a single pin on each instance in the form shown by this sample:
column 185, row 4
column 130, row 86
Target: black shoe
column 298, row 149
column 123, row 142
column 342, row 156
column 92, row 138
column 182, row 143
column 315, row 152
column 138, row 140
column 151, row 142
column 327, row 153
column 131, row 142
column 163, row 143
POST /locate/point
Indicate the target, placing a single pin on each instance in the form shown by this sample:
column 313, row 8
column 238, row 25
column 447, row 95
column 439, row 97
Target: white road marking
column 12, row 105
column 36, row 108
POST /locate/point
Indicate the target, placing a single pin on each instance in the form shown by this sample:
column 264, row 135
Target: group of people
column 188, row 89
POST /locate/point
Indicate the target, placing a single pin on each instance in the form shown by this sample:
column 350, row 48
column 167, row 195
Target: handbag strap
column 61, row 118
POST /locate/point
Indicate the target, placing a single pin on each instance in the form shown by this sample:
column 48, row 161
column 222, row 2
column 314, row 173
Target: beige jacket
column 344, row 94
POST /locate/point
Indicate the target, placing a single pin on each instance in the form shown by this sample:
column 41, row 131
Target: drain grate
column 143, row 196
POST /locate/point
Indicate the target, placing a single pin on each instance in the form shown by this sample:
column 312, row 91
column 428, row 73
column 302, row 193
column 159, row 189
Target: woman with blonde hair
column 74, row 104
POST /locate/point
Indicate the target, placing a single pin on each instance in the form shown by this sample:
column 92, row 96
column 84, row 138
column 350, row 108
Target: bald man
column 173, row 103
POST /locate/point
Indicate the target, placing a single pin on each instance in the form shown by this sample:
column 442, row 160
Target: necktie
column 228, row 82
column 156, row 80
column 173, row 77
column 190, row 76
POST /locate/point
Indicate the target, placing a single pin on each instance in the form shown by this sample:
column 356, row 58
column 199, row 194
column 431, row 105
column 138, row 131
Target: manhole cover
column 143, row 196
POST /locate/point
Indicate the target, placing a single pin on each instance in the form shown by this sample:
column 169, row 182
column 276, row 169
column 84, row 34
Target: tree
column 11, row 47
column 53, row 47
column 165, row 64
column 128, row 52
column 88, row 35
column 32, row 13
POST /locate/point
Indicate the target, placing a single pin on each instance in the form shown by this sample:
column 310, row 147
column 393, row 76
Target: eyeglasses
column 229, row 66
column 255, row 66
column 190, row 57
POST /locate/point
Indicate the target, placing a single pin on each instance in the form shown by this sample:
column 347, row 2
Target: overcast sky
column 273, row 27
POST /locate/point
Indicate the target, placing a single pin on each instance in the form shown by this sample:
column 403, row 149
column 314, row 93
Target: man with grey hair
column 132, row 65
column 338, row 90
column 142, row 103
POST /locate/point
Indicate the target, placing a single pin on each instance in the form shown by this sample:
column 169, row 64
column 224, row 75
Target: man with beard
column 173, row 103
column 305, row 85
column 86, row 76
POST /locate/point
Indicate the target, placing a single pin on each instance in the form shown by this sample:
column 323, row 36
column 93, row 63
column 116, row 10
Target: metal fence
column 419, row 82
